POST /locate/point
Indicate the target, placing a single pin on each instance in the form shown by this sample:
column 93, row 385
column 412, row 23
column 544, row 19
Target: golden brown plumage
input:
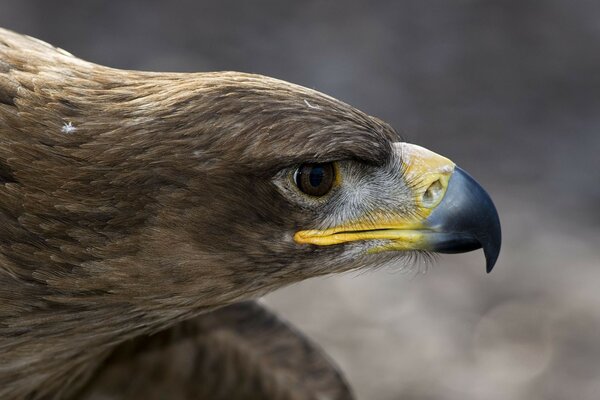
column 112, row 224
column 136, row 202
column 237, row 352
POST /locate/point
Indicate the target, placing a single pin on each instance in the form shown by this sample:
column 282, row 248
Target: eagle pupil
column 316, row 176
column 315, row 179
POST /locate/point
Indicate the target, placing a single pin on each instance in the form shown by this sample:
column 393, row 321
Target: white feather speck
column 68, row 128
column 311, row 105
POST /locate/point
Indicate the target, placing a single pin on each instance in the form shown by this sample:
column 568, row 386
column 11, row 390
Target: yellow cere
column 429, row 170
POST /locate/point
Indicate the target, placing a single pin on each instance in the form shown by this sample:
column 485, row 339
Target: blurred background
column 510, row 90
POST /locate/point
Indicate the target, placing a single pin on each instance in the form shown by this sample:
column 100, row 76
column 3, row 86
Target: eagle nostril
column 433, row 194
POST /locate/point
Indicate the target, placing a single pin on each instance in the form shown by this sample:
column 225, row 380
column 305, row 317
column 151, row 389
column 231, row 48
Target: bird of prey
column 141, row 212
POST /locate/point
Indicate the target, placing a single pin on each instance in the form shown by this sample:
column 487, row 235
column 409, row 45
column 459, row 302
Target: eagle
column 143, row 213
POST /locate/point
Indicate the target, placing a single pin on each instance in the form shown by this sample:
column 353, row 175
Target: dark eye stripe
column 315, row 179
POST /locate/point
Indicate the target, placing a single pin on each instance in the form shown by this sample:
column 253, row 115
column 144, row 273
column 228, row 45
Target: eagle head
column 197, row 190
column 279, row 183
column 132, row 200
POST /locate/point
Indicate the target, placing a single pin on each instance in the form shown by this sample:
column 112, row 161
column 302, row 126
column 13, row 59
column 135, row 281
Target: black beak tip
column 492, row 244
column 489, row 265
column 490, row 231
column 490, row 261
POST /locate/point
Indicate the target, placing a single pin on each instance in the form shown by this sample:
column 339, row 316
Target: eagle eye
column 315, row 179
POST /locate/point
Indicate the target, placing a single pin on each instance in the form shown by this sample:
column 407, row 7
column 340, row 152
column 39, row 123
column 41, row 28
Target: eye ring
column 315, row 179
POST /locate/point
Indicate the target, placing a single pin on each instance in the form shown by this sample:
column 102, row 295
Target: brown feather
column 240, row 352
column 131, row 201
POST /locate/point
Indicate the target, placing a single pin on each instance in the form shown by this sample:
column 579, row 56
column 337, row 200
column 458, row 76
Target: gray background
column 510, row 90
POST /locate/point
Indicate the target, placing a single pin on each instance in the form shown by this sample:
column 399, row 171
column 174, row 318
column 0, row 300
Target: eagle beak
column 465, row 220
column 454, row 213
